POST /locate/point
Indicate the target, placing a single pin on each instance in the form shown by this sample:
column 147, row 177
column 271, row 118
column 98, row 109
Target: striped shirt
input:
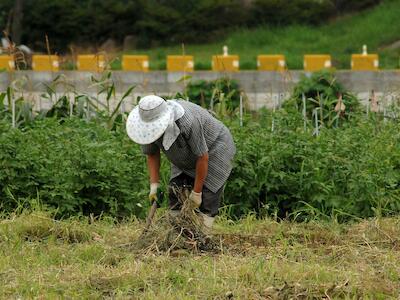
column 200, row 133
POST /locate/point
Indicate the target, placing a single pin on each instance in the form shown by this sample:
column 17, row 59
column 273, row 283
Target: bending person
column 199, row 147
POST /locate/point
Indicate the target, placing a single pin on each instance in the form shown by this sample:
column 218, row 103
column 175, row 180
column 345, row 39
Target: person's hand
column 195, row 199
column 153, row 191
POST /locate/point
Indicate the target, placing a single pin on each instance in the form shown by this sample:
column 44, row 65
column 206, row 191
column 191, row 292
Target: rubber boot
column 207, row 221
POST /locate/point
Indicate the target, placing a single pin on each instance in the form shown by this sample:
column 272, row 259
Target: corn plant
column 221, row 96
column 65, row 102
column 322, row 93
column 106, row 86
column 13, row 106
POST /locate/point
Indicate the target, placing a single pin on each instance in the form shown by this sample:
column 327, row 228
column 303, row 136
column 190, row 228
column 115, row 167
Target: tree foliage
column 151, row 22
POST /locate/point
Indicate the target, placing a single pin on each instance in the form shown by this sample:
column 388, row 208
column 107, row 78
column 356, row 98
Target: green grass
column 83, row 258
column 342, row 37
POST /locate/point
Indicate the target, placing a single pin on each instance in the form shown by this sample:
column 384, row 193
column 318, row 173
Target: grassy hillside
column 376, row 27
column 90, row 259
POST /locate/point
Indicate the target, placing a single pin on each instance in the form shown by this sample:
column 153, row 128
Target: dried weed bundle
column 172, row 233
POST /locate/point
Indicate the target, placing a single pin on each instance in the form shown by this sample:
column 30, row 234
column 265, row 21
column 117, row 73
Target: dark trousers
column 210, row 201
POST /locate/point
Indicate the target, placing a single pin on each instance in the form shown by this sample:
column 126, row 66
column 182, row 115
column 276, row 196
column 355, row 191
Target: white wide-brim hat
column 148, row 121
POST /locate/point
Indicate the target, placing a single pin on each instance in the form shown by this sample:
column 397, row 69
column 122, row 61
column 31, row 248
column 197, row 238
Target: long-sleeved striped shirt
column 200, row 133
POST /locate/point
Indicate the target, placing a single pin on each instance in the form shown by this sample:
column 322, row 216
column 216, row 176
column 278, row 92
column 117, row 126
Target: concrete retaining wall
column 263, row 89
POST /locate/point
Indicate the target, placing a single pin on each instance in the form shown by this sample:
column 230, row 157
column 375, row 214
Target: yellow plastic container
column 45, row 63
column 7, row 62
column 180, row 63
column 138, row 63
column 316, row 62
column 225, row 63
column 271, row 62
column 364, row 62
column 91, row 62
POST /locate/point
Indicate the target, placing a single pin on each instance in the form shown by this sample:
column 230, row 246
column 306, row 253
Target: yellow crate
column 271, row 62
column 316, row 62
column 225, row 63
column 364, row 62
column 91, row 62
column 7, row 62
column 139, row 63
column 45, row 63
column 180, row 63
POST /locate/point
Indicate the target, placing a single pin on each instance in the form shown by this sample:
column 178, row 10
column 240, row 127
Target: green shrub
column 175, row 21
column 281, row 12
column 204, row 92
column 75, row 166
column 353, row 171
column 321, row 91
column 354, row 5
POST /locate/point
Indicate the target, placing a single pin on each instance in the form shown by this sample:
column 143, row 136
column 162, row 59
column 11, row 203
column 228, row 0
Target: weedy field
column 73, row 187
column 260, row 259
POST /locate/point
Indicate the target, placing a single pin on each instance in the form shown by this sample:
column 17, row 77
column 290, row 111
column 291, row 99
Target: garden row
column 317, row 156
column 78, row 166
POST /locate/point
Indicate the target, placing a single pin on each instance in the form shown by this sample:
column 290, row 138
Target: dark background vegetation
column 150, row 23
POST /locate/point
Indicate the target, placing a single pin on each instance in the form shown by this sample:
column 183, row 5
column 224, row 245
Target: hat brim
column 145, row 133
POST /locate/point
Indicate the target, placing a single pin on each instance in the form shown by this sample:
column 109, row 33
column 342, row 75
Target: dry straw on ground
column 85, row 258
column 173, row 234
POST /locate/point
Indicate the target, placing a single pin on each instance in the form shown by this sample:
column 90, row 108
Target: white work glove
column 153, row 191
column 195, row 199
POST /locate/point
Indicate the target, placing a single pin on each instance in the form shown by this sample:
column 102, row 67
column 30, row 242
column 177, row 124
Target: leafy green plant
column 74, row 166
column 221, row 95
column 344, row 173
column 106, row 86
column 14, row 108
column 319, row 94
